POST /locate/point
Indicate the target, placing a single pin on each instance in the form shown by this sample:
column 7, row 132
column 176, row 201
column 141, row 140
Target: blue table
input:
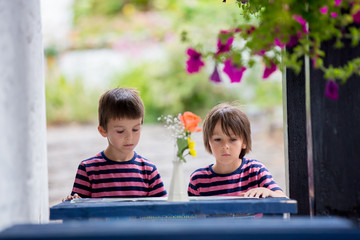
column 160, row 208
column 274, row 228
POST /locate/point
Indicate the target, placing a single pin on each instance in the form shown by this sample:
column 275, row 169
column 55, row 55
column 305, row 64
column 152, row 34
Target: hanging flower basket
column 272, row 26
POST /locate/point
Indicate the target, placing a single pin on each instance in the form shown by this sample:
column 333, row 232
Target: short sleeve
column 156, row 185
column 82, row 184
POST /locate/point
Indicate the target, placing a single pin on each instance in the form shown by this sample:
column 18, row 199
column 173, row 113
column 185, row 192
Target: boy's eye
column 120, row 131
column 233, row 139
column 136, row 130
column 217, row 139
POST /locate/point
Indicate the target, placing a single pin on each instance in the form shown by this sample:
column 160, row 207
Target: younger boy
column 227, row 136
column 118, row 171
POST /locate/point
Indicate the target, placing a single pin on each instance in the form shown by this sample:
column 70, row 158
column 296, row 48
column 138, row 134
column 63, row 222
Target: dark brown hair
column 120, row 103
column 231, row 118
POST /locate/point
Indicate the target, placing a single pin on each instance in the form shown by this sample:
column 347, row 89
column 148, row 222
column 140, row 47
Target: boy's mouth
column 226, row 155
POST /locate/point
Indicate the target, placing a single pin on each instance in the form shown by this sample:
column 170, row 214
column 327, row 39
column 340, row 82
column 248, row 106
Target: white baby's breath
column 174, row 125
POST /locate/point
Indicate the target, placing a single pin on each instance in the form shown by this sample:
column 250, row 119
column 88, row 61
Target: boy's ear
column 102, row 131
column 243, row 146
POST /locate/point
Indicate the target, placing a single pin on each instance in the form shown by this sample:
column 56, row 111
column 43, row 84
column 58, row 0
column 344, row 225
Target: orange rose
column 190, row 121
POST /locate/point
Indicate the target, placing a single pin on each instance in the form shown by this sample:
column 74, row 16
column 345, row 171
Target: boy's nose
column 128, row 136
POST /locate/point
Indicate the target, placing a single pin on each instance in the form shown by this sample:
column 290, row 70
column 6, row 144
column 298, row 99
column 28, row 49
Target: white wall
column 23, row 161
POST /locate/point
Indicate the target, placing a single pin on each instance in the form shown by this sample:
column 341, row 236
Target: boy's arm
column 156, row 186
column 267, row 185
column 81, row 187
column 192, row 189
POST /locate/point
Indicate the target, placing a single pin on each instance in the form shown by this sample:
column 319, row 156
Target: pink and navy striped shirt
column 251, row 174
column 100, row 177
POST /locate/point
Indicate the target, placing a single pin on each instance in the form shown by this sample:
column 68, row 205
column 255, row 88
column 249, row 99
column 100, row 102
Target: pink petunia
column 194, row 63
column 332, row 90
column 279, row 43
column 302, row 21
column 225, row 31
column 269, row 70
column 224, row 47
column 323, row 10
column 215, row 77
column 337, row 2
column 356, row 17
column 234, row 72
column 333, row 14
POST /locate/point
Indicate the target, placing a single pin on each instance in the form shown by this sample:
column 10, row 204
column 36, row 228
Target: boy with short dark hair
column 227, row 136
column 118, row 171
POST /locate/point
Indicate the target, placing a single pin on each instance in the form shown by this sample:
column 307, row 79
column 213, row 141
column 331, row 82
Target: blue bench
column 191, row 229
column 104, row 208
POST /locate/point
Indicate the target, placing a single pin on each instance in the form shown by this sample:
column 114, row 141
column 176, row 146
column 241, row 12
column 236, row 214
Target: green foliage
column 165, row 86
column 94, row 8
column 344, row 72
column 51, row 51
column 172, row 90
column 301, row 26
column 70, row 102
column 276, row 21
column 112, row 8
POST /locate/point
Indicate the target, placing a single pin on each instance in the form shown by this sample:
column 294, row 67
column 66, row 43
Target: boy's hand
column 263, row 193
column 71, row 197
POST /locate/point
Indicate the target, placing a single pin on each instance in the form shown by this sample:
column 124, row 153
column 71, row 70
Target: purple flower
column 224, row 47
column 302, row 21
column 215, row 77
column 225, row 31
column 314, row 61
column 234, row 72
column 356, row 17
column 337, row 2
column 324, row 10
column 250, row 30
column 292, row 41
column 194, row 63
column 333, row 14
column 261, row 52
column 269, row 70
column 331, row 90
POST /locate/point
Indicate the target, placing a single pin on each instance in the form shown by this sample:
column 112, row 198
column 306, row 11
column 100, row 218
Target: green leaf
column 182, row 145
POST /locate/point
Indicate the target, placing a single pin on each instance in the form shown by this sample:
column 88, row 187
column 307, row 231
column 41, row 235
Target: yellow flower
column 192, row 152
column 191, row 143
column 182, row 127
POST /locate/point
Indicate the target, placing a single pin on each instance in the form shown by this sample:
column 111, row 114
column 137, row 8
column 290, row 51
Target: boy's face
column 225, row 149
column 123, row 135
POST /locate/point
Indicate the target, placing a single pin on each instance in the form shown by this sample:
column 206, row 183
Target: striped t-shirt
column 100, row 177
column 251, row 174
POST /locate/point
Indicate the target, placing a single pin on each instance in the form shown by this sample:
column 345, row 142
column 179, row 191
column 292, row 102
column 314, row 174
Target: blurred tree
column 132, row 28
